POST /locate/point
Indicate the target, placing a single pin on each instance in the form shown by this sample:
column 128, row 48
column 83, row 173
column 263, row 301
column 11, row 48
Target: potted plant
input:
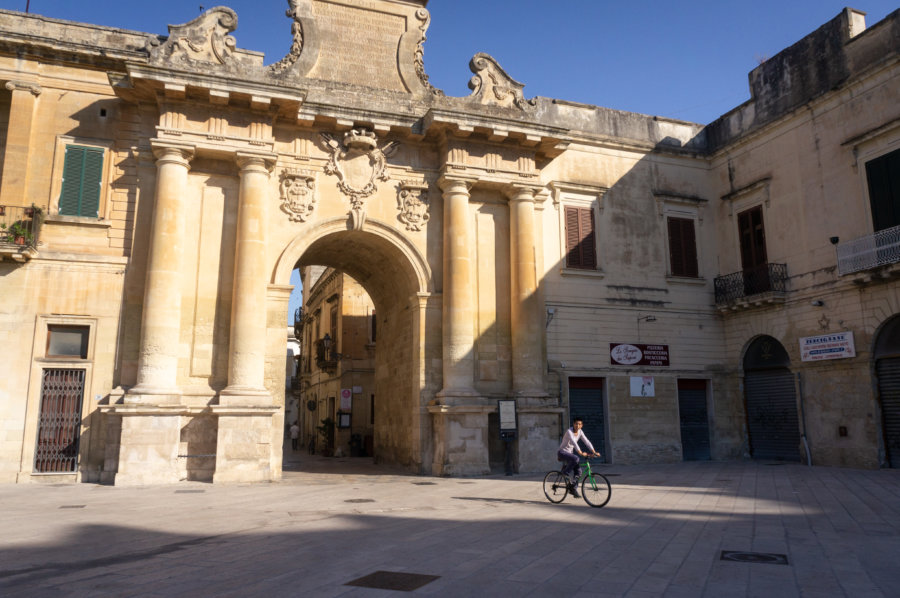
column 326, row 430
column 19, row 233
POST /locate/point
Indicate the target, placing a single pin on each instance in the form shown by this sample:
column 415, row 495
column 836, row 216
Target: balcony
column 869, row 252
column 327, row 357
column 757, row 286
column 298, row 322
column 19, row 232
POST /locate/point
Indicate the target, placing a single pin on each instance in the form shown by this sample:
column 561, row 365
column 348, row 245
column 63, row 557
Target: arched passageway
column 397, row 279
column 773, row 424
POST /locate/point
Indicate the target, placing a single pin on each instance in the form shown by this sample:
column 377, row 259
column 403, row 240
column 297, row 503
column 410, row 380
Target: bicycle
column 595, row 488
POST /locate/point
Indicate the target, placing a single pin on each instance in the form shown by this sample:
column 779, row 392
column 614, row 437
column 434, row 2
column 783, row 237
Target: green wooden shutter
column 82, row 177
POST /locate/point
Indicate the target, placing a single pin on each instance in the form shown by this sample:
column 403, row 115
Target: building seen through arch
column 694, row 291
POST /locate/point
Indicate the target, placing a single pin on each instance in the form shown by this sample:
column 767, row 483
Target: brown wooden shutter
column 580, row 240
column 682, row 247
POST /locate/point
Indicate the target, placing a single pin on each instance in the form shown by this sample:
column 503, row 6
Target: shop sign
column 827, row 346
column 627, row 354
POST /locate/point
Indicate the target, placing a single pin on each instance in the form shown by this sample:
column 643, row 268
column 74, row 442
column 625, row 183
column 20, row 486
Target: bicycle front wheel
column 596, row 490
column 555, row 486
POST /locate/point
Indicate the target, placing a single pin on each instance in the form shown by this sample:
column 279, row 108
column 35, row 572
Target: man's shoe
column 575, row 493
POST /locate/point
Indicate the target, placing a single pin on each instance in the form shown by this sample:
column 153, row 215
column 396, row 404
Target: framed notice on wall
column 508, row 419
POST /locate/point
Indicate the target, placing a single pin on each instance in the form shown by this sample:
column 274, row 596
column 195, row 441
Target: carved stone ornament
column 412, row 201
column 205, row 39
column 294, row 12
column 357, row 162
column 298, row 194
column 491, row 85
column 424, row 16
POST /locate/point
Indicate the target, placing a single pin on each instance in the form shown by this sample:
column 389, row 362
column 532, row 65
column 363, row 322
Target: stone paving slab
column 331, row 521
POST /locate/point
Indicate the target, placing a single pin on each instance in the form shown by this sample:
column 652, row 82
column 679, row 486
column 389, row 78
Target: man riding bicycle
column 567, row 451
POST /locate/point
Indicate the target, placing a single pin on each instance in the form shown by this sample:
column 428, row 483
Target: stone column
column 18, row 142
column 458, row 313
column 247, row 356
column 161, row 322
column 151, row 413
column 527, row 350
column 246, row 413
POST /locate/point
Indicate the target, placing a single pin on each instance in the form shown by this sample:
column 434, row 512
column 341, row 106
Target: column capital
column 250, row 161
column 31, row 86
column 455, row 181
column 521, row 191
column 166, row 151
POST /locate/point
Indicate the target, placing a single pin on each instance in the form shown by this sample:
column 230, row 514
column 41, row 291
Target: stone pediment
column 491, row 85
column 371, row 43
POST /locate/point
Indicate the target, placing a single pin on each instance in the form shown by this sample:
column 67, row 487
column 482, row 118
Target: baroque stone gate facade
column 509, row 246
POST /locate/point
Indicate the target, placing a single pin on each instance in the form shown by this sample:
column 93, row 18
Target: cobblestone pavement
column 333, row 521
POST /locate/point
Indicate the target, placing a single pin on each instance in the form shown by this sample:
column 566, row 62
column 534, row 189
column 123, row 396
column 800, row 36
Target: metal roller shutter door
column 888, row 372
column 772, row 420
column 587, row 403
column 694, row 424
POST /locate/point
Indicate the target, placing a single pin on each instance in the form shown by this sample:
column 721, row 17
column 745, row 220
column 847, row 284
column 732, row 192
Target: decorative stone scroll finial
column 357, row 162
column 412, row 201
column 298, row 194
column 293, row 54
column 205, row 39
column 491, row 85
column 424, row 16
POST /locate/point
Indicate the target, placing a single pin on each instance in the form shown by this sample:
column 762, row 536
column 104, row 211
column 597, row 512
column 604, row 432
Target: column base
column 244, row 449
column 460, row 439
column 148, row 445
column 152, row 395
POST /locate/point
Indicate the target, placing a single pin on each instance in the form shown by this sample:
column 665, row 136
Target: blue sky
column 681, row 59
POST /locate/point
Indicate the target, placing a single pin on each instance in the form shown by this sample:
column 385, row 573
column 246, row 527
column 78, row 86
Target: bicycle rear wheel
column 555, row 486
column 596, row 490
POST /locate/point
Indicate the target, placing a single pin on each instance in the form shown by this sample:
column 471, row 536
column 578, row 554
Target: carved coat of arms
column 412, row 201
column 298, row 194
column 358, row 162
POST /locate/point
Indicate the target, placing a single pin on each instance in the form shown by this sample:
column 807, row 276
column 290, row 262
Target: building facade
column 692, row 291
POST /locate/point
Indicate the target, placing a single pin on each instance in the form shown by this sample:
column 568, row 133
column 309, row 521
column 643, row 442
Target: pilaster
column 14, row 191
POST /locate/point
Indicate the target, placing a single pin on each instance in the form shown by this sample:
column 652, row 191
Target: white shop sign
column 827, row 346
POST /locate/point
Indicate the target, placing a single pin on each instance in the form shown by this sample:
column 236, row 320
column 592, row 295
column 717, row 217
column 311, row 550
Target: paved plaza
column 333, row 521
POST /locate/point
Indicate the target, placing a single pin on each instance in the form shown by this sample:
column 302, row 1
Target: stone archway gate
column 345, row 135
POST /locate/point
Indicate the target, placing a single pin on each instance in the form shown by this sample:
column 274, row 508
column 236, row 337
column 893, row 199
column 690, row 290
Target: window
column 374, row 324
column 682, row 247
column 883, row 177
column 581, row 249
column 81, row 181
column 753, row 239
column 67, row 341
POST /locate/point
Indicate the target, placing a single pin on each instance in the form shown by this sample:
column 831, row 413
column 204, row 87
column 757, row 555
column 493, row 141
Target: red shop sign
column 627, row 354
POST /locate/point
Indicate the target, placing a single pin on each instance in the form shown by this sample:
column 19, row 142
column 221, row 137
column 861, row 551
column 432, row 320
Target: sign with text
column 626, row 354
column 346, row 399
column 506, row 409
column 827, row 346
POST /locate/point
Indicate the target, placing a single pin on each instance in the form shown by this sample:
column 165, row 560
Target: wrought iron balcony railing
column 19, row 229
column 327, row 356
column 298, row 322
column 767, row 278
column 878, row 249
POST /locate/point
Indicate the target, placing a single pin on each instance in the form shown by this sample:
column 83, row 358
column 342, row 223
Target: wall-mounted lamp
column 817, row 303
column 834, row 240
column 551, row 311
column 647, row 318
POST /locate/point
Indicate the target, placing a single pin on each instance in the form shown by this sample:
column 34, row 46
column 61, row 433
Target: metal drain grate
column 393, row 580
column 72, row 506
column 769, row 558
column 360, row 500
column 190, row 491
column 424, row 483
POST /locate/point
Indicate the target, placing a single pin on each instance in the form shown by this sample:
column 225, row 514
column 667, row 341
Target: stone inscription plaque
column 358, row 46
